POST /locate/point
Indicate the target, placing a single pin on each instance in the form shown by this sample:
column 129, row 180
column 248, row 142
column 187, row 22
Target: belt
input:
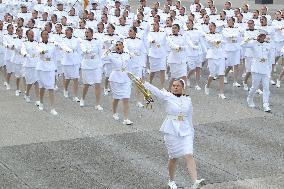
column 46, row 59
column 177, row 117
column 120, row 70
column 90, row 57
column 262, row 60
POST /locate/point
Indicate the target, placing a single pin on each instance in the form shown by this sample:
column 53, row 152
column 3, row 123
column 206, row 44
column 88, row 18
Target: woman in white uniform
column 46, row 67
column 29, row 50
column 9, row 66
column 177, row 57
column 157, row 53
column 216, row 59
column 177, row 129
column 136, row 49
column 17, row 59
column 91, row 66
column 71, row 62
column 119, row 81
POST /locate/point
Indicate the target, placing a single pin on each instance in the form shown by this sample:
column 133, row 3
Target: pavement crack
column 14, row 174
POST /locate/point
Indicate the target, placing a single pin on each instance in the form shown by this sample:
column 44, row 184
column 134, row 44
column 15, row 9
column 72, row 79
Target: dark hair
column 177, row 26
column 112, row 26
column 69, row 28
column 134, row 29
column 42, row 32
column 90, row 30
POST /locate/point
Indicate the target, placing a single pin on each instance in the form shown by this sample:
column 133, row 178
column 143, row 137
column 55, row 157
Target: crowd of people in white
column 42, row 40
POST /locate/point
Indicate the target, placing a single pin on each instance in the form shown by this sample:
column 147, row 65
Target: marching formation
column 100, row 41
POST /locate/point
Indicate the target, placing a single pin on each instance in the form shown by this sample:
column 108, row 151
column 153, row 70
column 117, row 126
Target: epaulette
column 175, row 35
column 132, row 38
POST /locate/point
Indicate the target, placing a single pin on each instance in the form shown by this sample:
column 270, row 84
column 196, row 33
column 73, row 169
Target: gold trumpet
column 146, row 93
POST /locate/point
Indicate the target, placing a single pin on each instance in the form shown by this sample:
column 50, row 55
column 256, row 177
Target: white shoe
column 166, row 77
column 37, row 103
column 236, row 84
column 8, row 87
column 245, row 86
column 225, row 80
column 82, row 103
column 40, row 106
column 278, row 83
column 266, row 108
column 206, row 90
column 139, row 105
column 17, row 92
column 188, row 83
column 198, row 184
column 98, row 107
column 53, row 112
column 272, row 82
column 258, row 91
column 55, row 87
column 172, row 185
column 197, row 88
column 115, row 116
column 27, row 98
column 5, row 83
column 76, row 99
column 127, row 122
column 65, row 94
column 222, row 96
column 215, row 77
column 250, row 102
column 106, row 91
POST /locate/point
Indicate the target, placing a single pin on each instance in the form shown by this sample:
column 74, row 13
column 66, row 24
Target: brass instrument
column 141, row 87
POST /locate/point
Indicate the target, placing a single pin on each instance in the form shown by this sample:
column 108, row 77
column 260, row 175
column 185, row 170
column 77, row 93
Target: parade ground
column 235, row 147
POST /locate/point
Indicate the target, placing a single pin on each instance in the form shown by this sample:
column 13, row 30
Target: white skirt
column 2, row 54
column 30, row 75
column 71, row 71
column 178, row 70
column 120, row 90
column 233, row 58
column 19, row 70
column 91, row 77
column 179, row 146
column 194, row 62
column 46, row 79
column 157, row 64
column 10, row 66
column 216, row 67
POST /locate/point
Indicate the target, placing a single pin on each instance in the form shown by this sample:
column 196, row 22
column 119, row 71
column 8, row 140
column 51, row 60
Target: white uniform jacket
column 136, row 51
column 177, row 45
column 72, row 51
column 120, row 65
column 232, row 39
column 195, row 42
column 29, row 50
column 215, row 46
column 179, row 112
column 158, row 48
column 17, row 58
column 92, row 52
column 46, row 61
column 262, row 54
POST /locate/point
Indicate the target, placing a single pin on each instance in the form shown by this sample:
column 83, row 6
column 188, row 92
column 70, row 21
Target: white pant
column 256, row 79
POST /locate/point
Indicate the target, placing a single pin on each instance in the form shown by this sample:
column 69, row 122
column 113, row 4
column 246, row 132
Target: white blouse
column 179, row 112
